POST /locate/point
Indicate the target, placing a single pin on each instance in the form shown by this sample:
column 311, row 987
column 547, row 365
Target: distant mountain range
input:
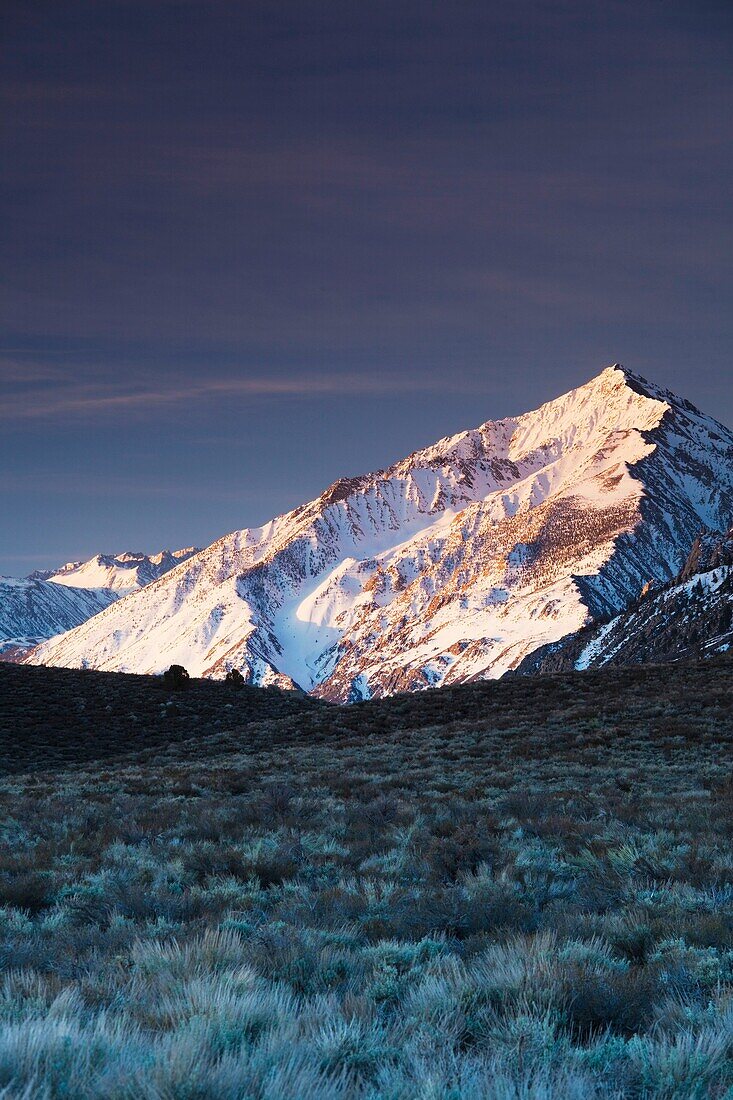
column 458, row 563
column 51, row 602
column 121, row 573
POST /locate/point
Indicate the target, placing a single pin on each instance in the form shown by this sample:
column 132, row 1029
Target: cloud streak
column 66, row 399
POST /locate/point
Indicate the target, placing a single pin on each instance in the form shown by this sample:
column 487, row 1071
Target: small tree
column 176, row 678
column 234, row 678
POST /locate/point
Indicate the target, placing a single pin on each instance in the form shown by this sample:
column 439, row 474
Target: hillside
column 54, row 601
column 689, row 616
column 452, row 565
column 53, row 718
column 508, row 889
column 32, row 610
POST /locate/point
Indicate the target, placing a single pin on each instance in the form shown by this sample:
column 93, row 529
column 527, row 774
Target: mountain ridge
column 690, row 616
column 452, row 564
column 121, row 573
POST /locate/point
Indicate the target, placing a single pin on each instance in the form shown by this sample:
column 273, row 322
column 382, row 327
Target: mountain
column 32, row 610
column 119, row 573
column 451, row 565
column 690, row 616
column 35, row 608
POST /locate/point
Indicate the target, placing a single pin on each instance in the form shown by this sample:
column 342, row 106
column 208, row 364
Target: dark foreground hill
column 54, row 717
column 519, row 889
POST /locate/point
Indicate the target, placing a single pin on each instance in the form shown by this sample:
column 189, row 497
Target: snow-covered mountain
column 121, row 573
column 35, row 608
column 451, row 565
column 32, row 610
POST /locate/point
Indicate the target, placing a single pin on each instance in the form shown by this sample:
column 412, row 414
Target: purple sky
column 252, row 247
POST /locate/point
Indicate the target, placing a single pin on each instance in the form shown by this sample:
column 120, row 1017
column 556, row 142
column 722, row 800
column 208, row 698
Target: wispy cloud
column 62, row 397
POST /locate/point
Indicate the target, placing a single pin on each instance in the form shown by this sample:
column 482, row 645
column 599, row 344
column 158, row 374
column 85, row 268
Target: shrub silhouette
column 176, row 678
column 235, row 678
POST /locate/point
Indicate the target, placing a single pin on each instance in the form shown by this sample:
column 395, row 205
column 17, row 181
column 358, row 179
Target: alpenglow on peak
column 451, row 565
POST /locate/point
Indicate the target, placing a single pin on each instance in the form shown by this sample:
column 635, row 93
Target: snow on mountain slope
column 33, row 610
column 451, row 565
column 120, row 573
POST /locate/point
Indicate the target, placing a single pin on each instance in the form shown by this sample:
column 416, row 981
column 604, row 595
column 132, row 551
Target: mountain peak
column 613, row 368
column 450, row 565
column 617, row 377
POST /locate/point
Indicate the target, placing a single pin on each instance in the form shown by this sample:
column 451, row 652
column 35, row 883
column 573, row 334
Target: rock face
column 35, row 608
column 452, row 565
column 711, row 550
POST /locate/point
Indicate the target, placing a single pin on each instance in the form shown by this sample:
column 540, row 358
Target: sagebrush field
column 520, row 889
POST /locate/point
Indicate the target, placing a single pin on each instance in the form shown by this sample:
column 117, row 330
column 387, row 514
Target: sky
column 249, row 248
